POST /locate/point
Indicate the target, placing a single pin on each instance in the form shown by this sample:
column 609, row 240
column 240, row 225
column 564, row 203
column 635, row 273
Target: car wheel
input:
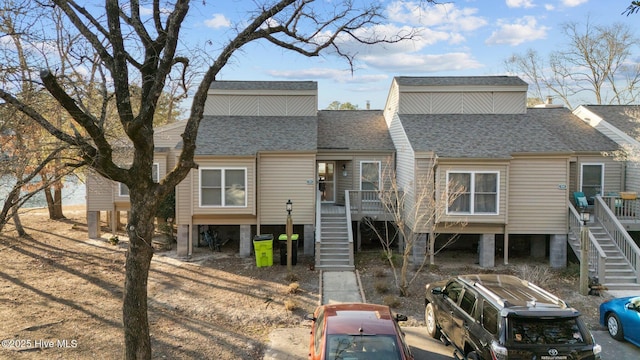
column 430, row 319
column 473, row 356
column 615, row 327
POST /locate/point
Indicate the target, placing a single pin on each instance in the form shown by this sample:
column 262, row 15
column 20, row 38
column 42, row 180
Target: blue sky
column 460, row 38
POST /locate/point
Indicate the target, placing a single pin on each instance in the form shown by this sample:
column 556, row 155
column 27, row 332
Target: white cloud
column 520, row 3
column 549, row 7
column 423, row 63
column 337, row 75
column 217, row 21
column 573, row 3
column 523, row 30
column 440, row 16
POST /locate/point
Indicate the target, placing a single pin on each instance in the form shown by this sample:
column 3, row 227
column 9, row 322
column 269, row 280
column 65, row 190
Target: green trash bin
column 282, row 240
column 263, row 247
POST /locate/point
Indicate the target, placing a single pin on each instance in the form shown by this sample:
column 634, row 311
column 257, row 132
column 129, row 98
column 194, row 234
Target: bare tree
column 632, row 8
column 122, row 46
column 596, row 63
column 415, row 215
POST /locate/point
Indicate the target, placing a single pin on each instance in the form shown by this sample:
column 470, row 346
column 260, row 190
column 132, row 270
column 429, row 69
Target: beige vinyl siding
column 248, row 163
column 285, row 177
column 501, row 169
column 478, row 103
column 391, row 106
column 416, row 202
column 405, row 163
column 185, row 200
column 632, row 179
column 99, row 193
column 538, row 195
column 481, row 102
column 446, row 103
column 169, row 135
column 510, row 102
column 261, row 105
column 415, row 103
column 613, row 172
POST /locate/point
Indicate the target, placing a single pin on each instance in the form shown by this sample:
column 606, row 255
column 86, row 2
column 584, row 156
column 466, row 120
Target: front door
column 592, row 179
column 326, row 181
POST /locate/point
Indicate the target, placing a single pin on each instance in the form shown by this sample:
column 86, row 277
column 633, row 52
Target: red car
column 356, row 331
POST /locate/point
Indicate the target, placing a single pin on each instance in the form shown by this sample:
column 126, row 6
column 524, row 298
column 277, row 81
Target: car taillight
column 498, row 352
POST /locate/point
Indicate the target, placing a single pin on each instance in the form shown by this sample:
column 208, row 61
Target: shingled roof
column 247, row 135
column 354, row 130
column 460, row 80
column 624, row 117
column 499, row 136
column 264, row 85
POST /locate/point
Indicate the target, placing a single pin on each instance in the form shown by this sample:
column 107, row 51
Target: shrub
column 381, row 287
column 379, row 273
column 290, row 305
column 539, row 275
column 391, row 301
column 294, row 288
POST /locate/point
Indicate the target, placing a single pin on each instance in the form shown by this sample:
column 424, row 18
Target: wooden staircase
column 619, row 275
column 334, row 251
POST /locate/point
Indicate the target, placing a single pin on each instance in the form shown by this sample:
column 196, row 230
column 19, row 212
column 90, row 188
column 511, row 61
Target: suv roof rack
column 510, row 291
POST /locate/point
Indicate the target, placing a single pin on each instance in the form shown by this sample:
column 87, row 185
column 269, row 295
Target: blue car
column 621, row 316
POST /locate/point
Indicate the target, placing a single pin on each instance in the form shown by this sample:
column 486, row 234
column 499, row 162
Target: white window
column 369, row 175
column 473, row 192
column 155, row 175
column 592, row 180
column 223, row 187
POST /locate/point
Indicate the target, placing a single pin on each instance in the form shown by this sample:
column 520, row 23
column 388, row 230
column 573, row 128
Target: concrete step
column 335, row 267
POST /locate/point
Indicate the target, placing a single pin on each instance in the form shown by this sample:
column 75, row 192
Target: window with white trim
column 223, row 187
column 474, row 192
column 155, row 175
column 369, row 175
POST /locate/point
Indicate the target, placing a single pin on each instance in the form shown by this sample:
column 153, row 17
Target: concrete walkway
column 340, row 287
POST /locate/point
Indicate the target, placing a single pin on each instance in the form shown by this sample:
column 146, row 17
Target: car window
column 468, row 302
column 453, row 290
column 362, row 347
column 489, row 318
column 545, row 331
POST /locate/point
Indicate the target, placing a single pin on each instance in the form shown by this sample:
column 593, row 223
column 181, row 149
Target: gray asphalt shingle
column 499, row 136
column 353, row 130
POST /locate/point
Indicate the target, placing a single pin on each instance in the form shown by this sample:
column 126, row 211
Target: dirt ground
column 61, row 295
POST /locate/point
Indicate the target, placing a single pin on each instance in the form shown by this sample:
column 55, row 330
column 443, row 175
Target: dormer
column 458, row 95
column 262, row 98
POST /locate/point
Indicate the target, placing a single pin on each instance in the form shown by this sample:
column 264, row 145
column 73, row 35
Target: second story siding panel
column 478, row 103
column 302, row 105
column 510, row 102
column 244, row 105
column 446, row 103
column 415, row 103
column 538, row 195
column 287, row 177
column 261, row 105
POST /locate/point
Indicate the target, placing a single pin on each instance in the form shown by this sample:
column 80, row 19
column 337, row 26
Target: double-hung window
column 223, row 187
column 155, row 175
column 473, row 192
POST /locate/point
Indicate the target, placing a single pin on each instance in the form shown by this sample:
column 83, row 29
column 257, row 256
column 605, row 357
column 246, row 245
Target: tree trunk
column 138, row 262
column 54, row 202
column 18, row 225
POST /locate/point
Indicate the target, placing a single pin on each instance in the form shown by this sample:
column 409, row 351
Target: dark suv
column 502, row 317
